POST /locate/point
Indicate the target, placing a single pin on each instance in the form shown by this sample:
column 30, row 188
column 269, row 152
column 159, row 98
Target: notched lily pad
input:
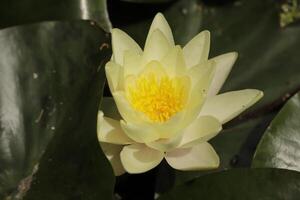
column 237, row 184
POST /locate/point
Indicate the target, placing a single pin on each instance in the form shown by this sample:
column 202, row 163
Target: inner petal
column 158, row 97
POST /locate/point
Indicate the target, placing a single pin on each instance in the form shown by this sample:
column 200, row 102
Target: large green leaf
column 51, row 81
column 280, row 145
column 16, row 12
column 237, row 184
column 268, row 54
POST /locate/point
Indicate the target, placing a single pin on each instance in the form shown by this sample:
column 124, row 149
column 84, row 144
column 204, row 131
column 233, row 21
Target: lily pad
column 16, row 12
column 237, row 184
column 280, row 144
column 51, row 81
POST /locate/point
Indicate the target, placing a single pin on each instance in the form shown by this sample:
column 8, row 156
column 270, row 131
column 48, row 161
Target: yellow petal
column 132, row 63
column 125, row 109
column 165, row 144
column 197, row 50
column 201, row 80
column 112, row 153
column 201, row 130
column 228, row 105
column 154, row 68
column 224, row 64
column 156, row 48
column 138, row 158
column 114, row 73
column 122, row 42
column 200, row 71
column 174, row 62
column 109, row 130
column 139, row 132
column 159, row 22
column 199, row 157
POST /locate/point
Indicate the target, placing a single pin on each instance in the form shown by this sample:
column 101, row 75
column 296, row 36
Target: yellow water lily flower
column 169, row 102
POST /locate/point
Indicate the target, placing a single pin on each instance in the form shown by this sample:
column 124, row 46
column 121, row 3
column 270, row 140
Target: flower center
column 158, row 98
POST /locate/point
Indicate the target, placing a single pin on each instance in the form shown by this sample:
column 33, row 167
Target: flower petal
column 155, row 68
column 109, row 130
column 132, row 63
column 199, row 157
column 156, row 48
column 201, row 130
column 114, row 73
column 159, row 22
column 139, row 132
column 122, row 42
column 174, row 62
column 224, row 64
column 200, row 72
column 112, row 153
column 125, row 109
column 165, row 144
column 138, row 158
column 201, row 80
column 228, row 105
column 197, row 50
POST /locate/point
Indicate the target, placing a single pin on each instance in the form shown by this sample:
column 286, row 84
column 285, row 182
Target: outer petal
column 201, row 130
column 112, row 153
column 114, row 73
column 122, row 42
column 159, row 22
column 140, row 133
column 109, row 130
column 157, row 47
column 197, row 50
column 224, row 64
column 201, row 80
column 138, row 158
column 228, row 105
column 199, row 157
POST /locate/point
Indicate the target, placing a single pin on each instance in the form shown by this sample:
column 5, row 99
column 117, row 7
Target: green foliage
column 50, row 92
column 246, row 184
column 279, row 146
column 16, row 12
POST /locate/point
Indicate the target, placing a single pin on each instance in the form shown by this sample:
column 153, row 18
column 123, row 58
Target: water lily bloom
column 168, row 99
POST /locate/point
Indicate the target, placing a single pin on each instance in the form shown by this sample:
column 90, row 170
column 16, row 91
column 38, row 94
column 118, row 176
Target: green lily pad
column 237, row 184
column 51, row 80
column 280, row 144
column 15, row 12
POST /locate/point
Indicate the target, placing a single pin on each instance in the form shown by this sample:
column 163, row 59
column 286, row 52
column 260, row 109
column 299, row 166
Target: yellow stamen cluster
column 158, row 98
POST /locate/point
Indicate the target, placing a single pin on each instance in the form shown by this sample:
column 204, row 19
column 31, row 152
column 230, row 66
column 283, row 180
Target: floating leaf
column 51, row 81
column 280, row 144
column 236, row 184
